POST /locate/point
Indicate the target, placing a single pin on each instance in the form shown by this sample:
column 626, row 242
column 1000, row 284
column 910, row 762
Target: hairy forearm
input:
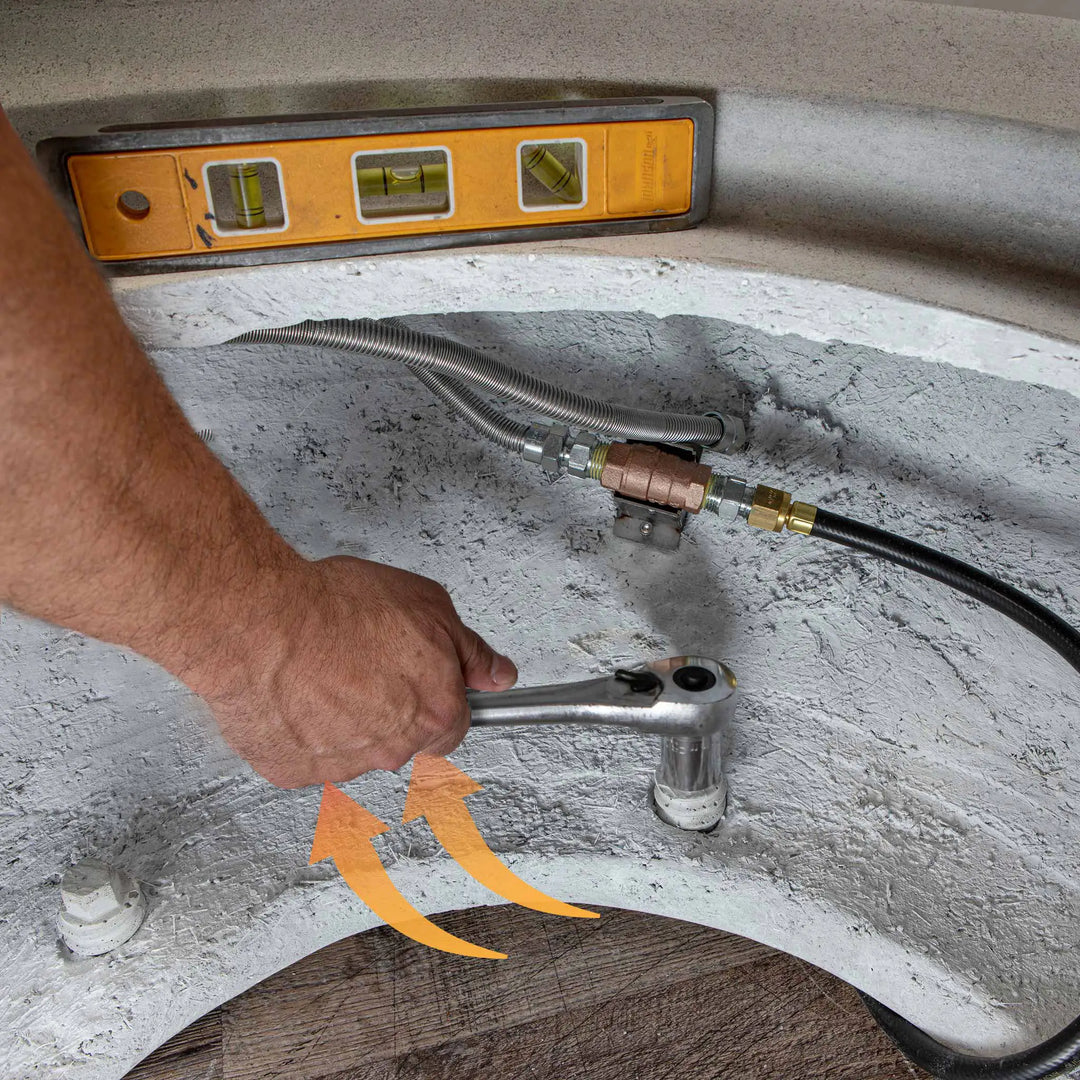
column 116, row 519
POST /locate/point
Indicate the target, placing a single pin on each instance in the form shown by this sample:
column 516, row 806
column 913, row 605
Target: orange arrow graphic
column 344, row 833
column 436, row 791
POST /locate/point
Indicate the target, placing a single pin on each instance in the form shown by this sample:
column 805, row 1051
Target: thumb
column 482, row 667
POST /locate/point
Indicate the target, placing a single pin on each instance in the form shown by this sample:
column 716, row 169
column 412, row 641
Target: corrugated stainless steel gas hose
column 501, row 430
column 459, row 363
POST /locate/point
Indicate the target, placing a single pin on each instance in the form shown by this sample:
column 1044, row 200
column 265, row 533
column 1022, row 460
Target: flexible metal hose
column 425, row 352
column 1060, row 1054
column 501, row 430
column 487, row 420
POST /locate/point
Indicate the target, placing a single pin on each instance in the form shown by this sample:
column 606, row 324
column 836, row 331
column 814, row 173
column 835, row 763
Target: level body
column 193, row 196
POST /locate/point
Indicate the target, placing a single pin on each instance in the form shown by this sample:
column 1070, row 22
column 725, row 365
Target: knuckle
column 438, row 595
column 390, row 759
column 477, row 647
column 445, row 713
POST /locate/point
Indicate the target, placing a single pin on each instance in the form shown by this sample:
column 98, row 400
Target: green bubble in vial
column 541, row 163
column 247, row 195
column 377, row 182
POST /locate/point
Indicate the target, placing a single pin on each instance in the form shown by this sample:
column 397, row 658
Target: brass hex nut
column 769, row 509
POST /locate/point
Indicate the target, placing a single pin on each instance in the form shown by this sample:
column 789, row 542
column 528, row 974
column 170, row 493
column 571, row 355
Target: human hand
column 359, row 667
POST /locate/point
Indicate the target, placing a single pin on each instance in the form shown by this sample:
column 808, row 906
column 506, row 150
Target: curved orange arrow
column 436, row 790
column 344, row 833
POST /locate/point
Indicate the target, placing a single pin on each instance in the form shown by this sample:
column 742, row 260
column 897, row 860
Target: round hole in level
column 133, row 204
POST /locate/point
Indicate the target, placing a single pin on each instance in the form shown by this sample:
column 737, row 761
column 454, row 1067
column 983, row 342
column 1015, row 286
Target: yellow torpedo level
column 191, row 198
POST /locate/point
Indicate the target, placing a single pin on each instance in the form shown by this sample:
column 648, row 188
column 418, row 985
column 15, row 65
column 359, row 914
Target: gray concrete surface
column 903, row 796
column 1059, row 9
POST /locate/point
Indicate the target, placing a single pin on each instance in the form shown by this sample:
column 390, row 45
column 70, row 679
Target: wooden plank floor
column 625, row 997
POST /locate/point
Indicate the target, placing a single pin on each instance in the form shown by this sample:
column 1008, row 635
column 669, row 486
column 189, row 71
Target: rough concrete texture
column 903, row 786
column 1058, row 9
column 190, row 58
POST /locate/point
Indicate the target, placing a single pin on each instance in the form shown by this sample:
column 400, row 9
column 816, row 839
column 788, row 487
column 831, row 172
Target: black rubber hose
column 1030, row 614
column 1055, row 1057
column 1058, row 1055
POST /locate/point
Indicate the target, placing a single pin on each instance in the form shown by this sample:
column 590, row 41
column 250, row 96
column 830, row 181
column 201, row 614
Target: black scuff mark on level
column 191, row 180
column 208, row 217
column 204, row 236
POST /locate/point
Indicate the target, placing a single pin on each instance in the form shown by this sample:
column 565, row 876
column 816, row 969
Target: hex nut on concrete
column 769, row 509
column 101, row 907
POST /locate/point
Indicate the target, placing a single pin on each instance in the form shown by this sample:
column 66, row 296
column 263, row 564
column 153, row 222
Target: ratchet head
column 681, row 696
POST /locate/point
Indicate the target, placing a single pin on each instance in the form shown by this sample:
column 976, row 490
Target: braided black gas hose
column 1059, row 1054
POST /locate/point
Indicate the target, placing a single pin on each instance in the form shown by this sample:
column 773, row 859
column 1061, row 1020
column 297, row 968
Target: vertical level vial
column 247, row 196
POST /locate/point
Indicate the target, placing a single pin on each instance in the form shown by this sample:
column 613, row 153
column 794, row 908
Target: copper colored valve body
column 647, row 473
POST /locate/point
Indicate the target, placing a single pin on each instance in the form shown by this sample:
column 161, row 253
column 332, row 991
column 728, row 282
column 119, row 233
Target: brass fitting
column 643, row 472
column 769, row 509
column 597, row 460
column 772, row 509
column 801, row 518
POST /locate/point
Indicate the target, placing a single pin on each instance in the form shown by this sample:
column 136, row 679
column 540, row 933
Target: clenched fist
column 120, row 523
column 361, row 667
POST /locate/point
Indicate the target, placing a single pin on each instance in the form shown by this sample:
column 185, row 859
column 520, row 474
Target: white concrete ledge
column 208, row 308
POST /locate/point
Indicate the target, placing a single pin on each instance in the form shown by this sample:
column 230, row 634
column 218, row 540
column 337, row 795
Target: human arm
column 118, row 521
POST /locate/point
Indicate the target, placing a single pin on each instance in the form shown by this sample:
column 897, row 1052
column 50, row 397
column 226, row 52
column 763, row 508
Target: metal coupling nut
column 734, row 438
column 801, row 518
column 581, row 454
column 553, row 450
column 533, row 450
column 726, row 497
column 769, row 509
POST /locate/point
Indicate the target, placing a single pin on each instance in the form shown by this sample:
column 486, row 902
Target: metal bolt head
column 646, row 528
column 91, row 890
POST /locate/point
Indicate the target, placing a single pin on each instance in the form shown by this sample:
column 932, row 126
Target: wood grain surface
column 625, row 997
